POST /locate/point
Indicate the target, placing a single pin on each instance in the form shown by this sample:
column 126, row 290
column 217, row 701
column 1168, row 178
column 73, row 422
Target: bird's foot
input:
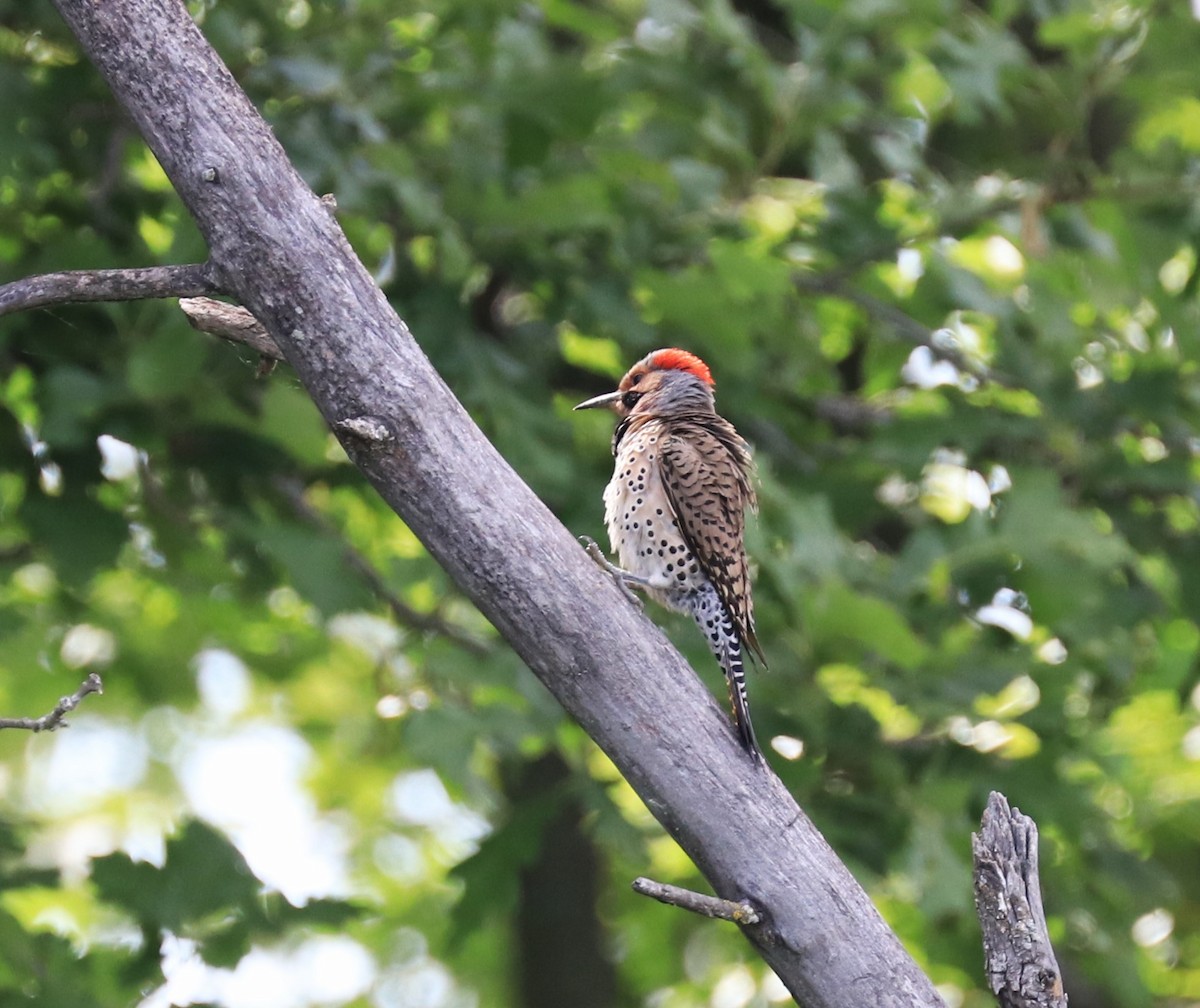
column 595, row 552
column 622, row 578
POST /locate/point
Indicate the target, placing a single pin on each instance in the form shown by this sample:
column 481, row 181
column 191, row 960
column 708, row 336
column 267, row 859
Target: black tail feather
column 735, row 676
column 727, row 647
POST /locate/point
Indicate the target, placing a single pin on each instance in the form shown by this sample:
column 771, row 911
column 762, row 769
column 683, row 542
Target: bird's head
column 662, row 383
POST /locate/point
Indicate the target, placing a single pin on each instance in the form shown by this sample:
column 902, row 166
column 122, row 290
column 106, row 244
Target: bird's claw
column 597, row 554
column 594, row 551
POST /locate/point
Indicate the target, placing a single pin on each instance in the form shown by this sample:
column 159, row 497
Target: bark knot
column 372, row 429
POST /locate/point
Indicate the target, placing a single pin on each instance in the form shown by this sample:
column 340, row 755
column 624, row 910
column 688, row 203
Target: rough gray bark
column 1021, row 969
column 106, row 285
column 229, row 322
column 279, row 250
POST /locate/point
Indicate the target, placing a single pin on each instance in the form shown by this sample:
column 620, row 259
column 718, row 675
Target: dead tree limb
column 1021, row 969
column 278, row 250
column 77, row 286
column 57, row 717
column 699, row 903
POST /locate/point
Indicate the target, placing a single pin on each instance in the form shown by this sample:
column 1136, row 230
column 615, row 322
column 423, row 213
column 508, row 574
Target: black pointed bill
column 608, row 399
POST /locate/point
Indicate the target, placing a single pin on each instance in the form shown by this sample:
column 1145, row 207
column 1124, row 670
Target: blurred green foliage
column 969, row 578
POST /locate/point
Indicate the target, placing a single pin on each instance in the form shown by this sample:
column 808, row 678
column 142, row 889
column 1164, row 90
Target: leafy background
column 318, row 777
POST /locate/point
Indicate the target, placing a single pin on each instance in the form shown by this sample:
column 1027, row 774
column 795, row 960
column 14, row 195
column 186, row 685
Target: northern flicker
column 675, row 508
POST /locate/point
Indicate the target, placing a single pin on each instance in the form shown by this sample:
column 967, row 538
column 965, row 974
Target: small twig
column 229, row 322
column 107, row 285
column 903, row 324
column 1019, row 960
column 405, row 614
column 53, row 720
column 848, row 413
column 707, row 906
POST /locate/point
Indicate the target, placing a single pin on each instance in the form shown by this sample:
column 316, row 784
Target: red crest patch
column 674, row 359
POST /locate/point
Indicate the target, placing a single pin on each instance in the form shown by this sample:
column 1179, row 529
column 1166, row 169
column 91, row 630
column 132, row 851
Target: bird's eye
column 634, row 379
column 630, row 398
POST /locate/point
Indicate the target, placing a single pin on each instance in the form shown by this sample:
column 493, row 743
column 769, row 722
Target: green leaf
column 203, row 875
column 838, row 615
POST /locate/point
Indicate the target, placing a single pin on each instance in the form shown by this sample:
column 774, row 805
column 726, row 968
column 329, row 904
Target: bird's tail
column 735, row 676
column 726, row 645
column 730, row 657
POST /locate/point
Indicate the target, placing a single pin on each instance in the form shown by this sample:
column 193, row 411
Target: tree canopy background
column 320, row 772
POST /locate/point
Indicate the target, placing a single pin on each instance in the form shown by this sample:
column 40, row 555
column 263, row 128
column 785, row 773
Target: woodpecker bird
column 675, row 508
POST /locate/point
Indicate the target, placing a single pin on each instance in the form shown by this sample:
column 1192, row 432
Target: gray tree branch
column 279, row 251
column 56, row 718
column 700, row 903
column 107, row 285
column 1021, row 969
